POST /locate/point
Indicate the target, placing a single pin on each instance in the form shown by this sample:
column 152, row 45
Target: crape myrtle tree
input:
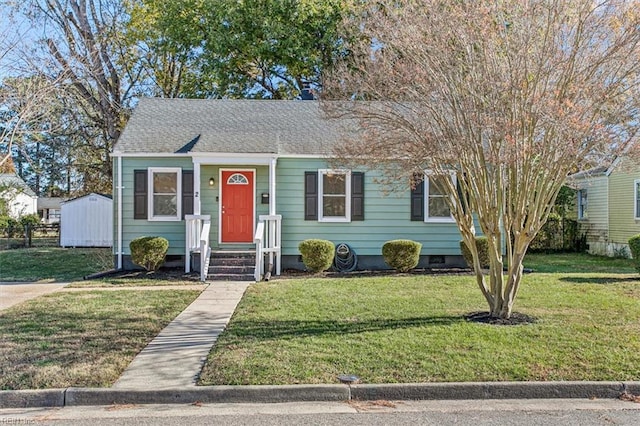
column 508, row 96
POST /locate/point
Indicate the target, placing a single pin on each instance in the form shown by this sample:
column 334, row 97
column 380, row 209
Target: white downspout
column 119, row 212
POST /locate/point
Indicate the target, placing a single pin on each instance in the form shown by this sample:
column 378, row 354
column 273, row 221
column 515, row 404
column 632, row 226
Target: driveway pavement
column 12, row 293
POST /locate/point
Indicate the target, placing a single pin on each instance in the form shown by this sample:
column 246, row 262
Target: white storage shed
column 87, row 221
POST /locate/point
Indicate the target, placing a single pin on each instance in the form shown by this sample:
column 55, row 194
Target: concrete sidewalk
column 12, row 293
column 175, row 357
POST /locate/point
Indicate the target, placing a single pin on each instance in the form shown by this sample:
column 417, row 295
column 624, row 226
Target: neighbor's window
column 334, row 195
column 582, row 204
column 436, row 206
column 164, row 190
column 636, row 185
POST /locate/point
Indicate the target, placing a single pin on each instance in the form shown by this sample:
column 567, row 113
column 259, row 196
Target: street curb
column 300, row 393
column 32, row 398
column 207, row 394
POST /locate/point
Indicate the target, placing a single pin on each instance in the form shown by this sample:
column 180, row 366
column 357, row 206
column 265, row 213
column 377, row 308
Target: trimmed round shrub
column 482, row 245
column 634, row 246
column 149, row 252
column 317, row 255
column 401, row 255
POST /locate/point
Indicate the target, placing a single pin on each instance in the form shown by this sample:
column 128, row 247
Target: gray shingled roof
column 10, row 180
column 227, row 126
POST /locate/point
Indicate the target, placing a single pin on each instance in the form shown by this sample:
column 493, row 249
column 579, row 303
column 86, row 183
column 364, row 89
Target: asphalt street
column 578, row 412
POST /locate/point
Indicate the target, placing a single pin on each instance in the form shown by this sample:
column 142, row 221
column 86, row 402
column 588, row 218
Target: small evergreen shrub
column 634, row 246
column 482, row 244
column 317, row 255
column 149, row 252
column 401, row 255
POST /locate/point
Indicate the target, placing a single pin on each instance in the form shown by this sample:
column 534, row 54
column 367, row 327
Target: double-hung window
column 334, row 195
column 436, row 207
column 582, row 204
column 164, row 190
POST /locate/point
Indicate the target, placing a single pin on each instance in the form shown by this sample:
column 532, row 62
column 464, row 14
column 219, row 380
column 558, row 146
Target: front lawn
column 83, row 339
column 53, row 263
column 577, row 262
column 411, row 329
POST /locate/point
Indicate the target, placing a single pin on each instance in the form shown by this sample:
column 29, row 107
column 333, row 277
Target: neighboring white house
column 87, row 221
column 21, row 199
column 49, row 209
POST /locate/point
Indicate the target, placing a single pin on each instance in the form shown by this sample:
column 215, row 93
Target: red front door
column 236, row 208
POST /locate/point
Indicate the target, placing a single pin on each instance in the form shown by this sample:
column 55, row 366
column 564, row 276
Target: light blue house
column 253, row 177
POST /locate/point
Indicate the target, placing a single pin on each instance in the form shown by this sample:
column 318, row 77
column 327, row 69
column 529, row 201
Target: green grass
column 411, row 329
column 577, row 262
column 53, row 264
column 83, row 339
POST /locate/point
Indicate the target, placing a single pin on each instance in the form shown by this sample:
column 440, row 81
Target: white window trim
column 427, row 218
column 582, row 210
column 347, row 204
column 636, row 213
column 150, row 215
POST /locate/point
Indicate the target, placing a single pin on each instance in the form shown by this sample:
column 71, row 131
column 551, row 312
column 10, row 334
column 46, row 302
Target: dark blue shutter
column 187, row 192
column 417, row 201
column 357, row 196
column 310, row 195
column 140, row 194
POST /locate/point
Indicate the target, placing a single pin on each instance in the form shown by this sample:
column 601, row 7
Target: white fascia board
column 233, row 159
column 149, row 154
column 323, row 157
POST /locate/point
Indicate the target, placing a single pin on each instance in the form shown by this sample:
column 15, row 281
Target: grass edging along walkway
column 408, row 329
column 83, row 339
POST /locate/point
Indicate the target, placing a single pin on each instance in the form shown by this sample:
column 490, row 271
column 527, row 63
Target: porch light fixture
column 212, row 181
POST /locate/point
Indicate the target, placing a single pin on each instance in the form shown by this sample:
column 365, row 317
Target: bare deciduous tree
column 509, row 95
column 24, row 109
column 83, row 47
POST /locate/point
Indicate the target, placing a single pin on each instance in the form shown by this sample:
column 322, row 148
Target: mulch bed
column 486, row 318
column 168, row 274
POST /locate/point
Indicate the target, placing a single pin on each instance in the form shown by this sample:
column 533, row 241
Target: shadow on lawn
column 600, row 280
column 266, row 330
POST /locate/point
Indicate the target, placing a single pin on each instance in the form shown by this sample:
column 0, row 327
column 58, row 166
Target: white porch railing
column 197, row 241
column 268, row 242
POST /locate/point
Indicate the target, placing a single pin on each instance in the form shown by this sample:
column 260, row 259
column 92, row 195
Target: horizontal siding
column 596, row 224
column 386, row 217
column 622, row 223
column 134, row 228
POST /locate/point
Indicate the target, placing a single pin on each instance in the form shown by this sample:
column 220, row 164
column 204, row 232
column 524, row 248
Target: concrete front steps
column 232, row 266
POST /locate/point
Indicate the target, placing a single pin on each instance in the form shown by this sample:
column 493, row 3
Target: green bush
column 482, row 244
column 317, row 255
column 149, row 252
column 4, row 222
column 634, row 246
column 9, row 227
column 401, row 255
column 29, row 219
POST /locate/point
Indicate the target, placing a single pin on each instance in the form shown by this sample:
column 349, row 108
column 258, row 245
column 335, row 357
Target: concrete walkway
column 12, row 293
column 175, row 357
